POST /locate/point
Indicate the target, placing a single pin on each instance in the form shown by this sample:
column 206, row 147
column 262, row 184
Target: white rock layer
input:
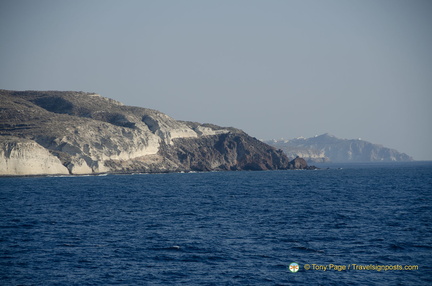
column 26, row 157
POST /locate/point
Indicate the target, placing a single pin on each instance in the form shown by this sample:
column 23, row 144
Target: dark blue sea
column 221, row 228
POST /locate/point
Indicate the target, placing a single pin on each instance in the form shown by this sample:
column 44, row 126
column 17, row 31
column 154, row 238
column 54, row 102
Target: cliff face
column 327, row 147
column 229, row 151
column 82, row 133
column 26, row 157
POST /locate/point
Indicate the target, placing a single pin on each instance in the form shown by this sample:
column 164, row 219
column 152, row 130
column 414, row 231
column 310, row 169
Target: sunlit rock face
column 53, row 132
column 25, row 157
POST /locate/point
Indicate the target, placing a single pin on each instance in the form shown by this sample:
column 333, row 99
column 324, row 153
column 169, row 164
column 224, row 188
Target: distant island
column 329, row 148
column 63, row 132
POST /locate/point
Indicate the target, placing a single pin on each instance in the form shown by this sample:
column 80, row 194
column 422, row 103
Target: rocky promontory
column 54, row 132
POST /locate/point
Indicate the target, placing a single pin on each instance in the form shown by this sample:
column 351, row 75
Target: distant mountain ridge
column 329, row 148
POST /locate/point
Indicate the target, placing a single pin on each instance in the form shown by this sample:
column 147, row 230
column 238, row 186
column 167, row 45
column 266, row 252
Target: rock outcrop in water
column 83, row 133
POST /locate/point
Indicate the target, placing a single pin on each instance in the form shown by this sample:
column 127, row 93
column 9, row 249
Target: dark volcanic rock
column 230, row 151
column 300, row 164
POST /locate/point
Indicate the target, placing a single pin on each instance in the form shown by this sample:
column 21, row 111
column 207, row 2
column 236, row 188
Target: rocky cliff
column 56, row 132
column 326, row 147
column 25, row 157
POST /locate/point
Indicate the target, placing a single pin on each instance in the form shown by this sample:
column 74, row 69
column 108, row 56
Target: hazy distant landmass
column 328, row 148
column 54, row 132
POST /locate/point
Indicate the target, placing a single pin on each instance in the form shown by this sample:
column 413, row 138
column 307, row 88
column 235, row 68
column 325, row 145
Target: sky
column 275, row 69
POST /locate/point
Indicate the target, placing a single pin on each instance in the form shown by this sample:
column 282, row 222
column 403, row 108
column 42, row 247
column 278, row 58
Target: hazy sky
column 272, row 68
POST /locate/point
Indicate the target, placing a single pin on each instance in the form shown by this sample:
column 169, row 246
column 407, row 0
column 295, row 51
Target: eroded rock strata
column 56, row 132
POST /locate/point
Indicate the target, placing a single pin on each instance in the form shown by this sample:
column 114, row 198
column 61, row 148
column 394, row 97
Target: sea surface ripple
column 221, row 228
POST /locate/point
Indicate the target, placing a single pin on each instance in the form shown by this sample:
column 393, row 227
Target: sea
column 346, row 224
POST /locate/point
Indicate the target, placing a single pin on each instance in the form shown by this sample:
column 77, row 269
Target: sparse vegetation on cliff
column 87, row 133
